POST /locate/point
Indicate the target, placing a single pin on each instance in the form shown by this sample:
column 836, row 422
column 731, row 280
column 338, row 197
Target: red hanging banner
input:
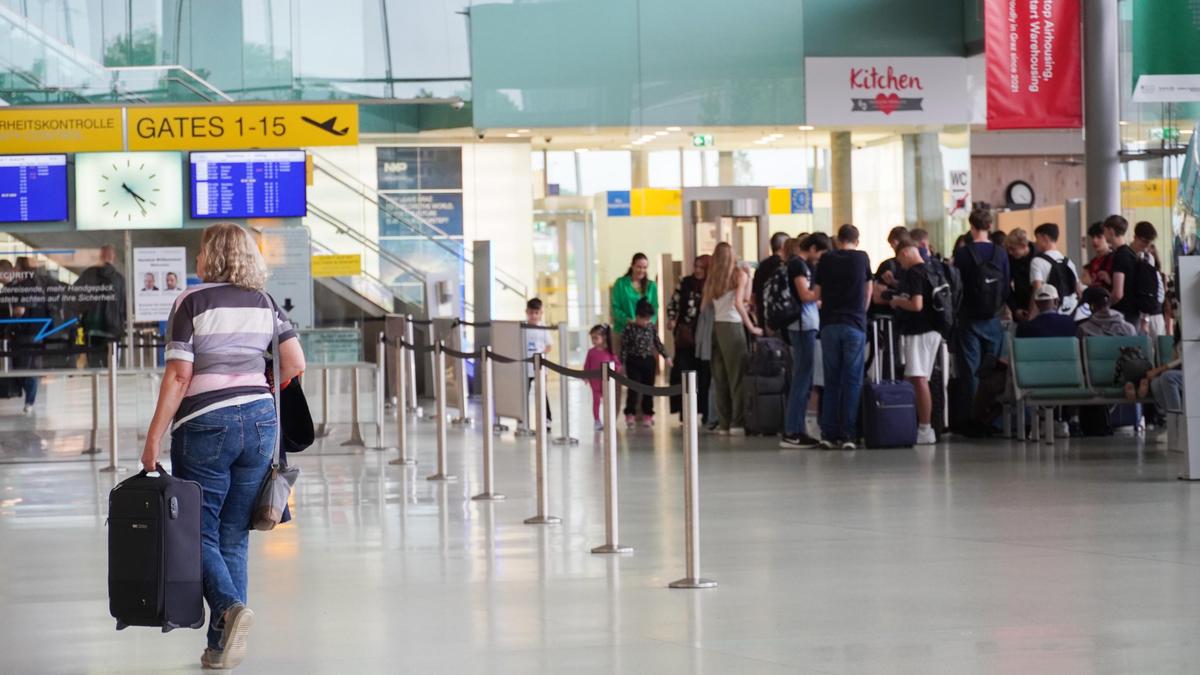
column 1033, row 64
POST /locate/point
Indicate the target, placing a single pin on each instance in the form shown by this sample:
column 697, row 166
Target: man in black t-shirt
column 979, row 329
column 765, row 269
column 843, row 285
column 1126, row 293
column 913, row 302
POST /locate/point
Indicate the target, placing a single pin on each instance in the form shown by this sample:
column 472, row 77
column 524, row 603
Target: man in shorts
column 921, row 341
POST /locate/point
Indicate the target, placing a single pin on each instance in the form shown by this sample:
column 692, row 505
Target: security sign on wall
column 886, row 91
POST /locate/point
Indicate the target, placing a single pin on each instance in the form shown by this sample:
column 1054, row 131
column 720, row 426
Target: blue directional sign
column 46, row 330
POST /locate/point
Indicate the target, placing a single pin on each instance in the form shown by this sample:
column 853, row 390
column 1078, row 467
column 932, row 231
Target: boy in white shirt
column 1051, row 267
column 537, row 341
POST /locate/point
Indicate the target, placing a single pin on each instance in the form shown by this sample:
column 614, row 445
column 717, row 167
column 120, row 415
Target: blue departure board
column 33, row 188
column 250, row 184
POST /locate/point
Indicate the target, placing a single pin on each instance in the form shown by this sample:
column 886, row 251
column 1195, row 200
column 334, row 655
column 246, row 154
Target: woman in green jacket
column 628, row 289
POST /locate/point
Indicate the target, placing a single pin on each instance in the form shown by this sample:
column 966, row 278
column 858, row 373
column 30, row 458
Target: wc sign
column 960, row 192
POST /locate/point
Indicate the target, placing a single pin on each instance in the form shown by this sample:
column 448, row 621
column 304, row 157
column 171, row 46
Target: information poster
column 287, row 252
column 422, row 218
column 159, row 275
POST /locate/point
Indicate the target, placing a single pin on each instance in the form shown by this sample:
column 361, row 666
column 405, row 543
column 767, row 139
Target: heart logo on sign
column 887, row 103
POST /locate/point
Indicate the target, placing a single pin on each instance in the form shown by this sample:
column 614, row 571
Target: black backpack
column 780, row 306
column 1061, row 277
column 1145, row 286
column 947, row 295
column 989, row 284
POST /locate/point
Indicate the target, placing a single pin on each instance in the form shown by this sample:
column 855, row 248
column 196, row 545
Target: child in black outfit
column 640, row 348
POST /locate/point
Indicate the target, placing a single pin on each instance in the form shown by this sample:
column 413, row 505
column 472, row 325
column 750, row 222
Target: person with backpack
column 1050, row 267
column 843, row 286
column 802, row 334
column 983, row 267
column 1136, row 281
column 766, row 268
column 1098, row 271
column 924, row 315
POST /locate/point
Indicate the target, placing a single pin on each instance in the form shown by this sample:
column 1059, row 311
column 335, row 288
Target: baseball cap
column 1046, row 292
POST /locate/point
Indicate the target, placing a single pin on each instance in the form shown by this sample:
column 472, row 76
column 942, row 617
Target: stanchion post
column 322, row 429
column 539, row 395
column 413, row 404
column 608, row 405
column 92, row 449
column 691, row 488
column 401, row 407
column 489, row 411
column 439, row 406
column 113, row 430
column 380, row 388
column 460, row 371
column 564, row 392
column 356, row 439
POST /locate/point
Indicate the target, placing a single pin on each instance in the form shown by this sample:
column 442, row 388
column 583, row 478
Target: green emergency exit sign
column 702, row 141
column 1164, row 133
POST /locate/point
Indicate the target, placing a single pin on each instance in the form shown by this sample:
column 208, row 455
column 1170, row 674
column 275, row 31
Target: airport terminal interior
column 616, row 336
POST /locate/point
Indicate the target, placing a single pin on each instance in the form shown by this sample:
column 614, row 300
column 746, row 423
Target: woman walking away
column 634, row 285
column 727, row 289
column 600, row 353
column 215, row 401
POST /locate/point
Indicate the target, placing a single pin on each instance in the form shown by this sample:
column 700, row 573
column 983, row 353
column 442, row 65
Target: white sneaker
column 737, row 431
column 28, row 410
column 598, row 426
column 1063, row 430
column 926, row 436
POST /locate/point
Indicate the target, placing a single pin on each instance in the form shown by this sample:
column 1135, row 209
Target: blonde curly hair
column 231, row 256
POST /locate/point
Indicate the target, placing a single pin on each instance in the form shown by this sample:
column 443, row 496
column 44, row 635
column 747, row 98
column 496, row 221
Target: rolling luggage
column 154, row 568
column 765, row 386
column 889, row 418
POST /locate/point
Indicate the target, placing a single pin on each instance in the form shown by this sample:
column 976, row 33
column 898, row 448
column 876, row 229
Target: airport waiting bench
column 1051, row 372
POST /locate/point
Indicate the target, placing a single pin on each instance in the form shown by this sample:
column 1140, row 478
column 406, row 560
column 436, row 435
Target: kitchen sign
column 886, row 91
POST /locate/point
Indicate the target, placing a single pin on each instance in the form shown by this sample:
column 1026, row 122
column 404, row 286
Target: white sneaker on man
column 926, row 435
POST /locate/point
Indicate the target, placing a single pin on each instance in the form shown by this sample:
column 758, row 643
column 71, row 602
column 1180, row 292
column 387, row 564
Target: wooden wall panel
column 1052, row 185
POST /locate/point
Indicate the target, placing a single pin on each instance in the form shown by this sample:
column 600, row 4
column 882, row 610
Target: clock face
column 1020, row 193
column 128, row 190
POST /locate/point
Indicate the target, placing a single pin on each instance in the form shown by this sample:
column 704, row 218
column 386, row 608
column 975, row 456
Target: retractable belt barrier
column 610, row 379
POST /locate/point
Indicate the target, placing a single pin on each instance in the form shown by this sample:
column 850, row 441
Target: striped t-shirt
column 225, row 332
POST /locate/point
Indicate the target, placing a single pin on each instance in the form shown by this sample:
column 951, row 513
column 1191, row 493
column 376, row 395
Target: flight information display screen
column 33, row 188
column 249, row 184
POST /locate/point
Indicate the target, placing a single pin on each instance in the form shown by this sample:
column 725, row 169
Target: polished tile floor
column 990, row 557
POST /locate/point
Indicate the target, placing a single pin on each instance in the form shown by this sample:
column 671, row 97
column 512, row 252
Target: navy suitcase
column 889, row 417
column 154, row 567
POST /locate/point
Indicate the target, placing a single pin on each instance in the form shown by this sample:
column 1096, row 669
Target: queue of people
column 722, row 313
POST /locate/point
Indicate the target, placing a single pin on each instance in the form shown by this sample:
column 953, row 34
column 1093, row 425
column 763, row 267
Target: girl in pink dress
column 601, row 352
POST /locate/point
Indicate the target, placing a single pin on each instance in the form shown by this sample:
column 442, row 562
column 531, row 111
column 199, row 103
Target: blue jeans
column 227, row 451
column 804, row 347
column 977, row 338
column 843, row 349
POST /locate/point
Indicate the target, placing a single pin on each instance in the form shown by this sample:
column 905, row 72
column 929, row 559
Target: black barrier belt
column 580, row 374
column 530, row 326
column 645, row 389
column 500, row 358
column 473, row 324
column 420, row 349
column 457, row 354
column 420, row 322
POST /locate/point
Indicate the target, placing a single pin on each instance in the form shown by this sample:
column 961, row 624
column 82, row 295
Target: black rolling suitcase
column 889, row 417
column 154, row 568
column 765, row 386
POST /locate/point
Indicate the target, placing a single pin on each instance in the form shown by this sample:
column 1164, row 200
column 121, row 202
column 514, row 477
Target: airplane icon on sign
column 327, row 125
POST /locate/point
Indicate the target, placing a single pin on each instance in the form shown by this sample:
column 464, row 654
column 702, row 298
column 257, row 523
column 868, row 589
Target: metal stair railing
column 417, row 225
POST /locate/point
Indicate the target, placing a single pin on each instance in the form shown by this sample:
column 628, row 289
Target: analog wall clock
column 128, row 190
column 1019, row 195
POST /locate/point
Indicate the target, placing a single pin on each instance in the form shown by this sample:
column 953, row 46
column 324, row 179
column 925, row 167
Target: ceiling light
column 522, row 131
column 581, row 149
column 806, row 127
column 512, row 135
column 660, row 133
column 1123, row 123
column 674, row 128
